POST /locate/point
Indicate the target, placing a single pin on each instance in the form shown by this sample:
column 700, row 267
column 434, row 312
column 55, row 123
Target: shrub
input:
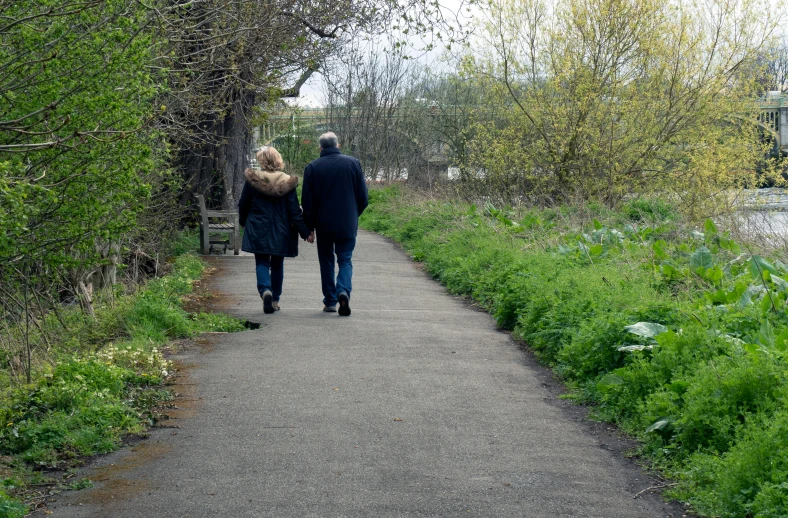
column 654, row 210
column 82, row 408
column 749, row 480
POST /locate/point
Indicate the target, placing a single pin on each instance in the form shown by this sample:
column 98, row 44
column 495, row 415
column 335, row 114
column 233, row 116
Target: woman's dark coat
column 270, row 214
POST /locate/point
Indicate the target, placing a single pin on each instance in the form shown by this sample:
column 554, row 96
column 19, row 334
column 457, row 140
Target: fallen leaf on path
column 398, row 419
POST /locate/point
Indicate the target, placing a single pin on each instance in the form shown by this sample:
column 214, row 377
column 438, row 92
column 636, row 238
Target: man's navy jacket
column 334, row 194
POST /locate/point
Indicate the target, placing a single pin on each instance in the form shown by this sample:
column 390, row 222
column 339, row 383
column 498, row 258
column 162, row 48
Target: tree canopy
column 115, row 113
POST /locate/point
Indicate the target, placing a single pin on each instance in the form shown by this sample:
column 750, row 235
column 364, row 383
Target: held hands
column 311, row 238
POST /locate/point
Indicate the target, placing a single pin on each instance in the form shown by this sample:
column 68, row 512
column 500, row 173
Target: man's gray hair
column 327, row 140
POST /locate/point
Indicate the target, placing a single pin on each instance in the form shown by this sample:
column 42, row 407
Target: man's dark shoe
column 268, row 302
column 344, row 304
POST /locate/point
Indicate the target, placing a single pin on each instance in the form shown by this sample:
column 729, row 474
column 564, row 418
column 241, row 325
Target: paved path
column 414, row 406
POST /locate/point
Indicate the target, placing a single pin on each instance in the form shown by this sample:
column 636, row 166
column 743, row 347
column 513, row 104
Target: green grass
column 704, row 391
column 11, row 508
column 108, row 375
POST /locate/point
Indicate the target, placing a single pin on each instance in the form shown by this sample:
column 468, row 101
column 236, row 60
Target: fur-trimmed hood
column 271, row 183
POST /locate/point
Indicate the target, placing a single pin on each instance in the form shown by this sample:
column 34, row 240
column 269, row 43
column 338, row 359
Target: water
column 772, row 199
column 769, row 218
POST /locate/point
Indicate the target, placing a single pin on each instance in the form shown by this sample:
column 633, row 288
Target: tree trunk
column 233, row 153
column 198, row 167
column 215, row 167
column 86, row 298
column 107, row 274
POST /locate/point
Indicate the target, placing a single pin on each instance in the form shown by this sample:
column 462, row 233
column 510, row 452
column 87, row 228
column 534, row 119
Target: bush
column 83, row 408
column 721, row 396
column 653, row 210
column 749, row 480
column 622, row 393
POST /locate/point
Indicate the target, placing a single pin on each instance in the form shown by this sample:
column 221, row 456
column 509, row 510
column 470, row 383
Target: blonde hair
column 270, row 159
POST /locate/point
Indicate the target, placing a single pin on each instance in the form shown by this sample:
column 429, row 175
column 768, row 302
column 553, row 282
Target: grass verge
column 676, row 334
column 104, row 378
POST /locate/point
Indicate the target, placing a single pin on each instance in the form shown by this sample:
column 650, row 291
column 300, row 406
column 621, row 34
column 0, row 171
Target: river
column 770, row 215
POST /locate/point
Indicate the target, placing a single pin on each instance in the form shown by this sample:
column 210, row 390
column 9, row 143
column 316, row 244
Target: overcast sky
column 312, row 94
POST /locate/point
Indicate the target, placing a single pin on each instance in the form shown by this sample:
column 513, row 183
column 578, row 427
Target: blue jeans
column 326, row 248
column 270, row 271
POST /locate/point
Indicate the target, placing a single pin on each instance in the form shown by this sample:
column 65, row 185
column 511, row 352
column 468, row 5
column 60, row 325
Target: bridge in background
column 773, row 118
column 286, row 123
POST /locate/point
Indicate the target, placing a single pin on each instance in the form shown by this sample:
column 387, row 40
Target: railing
column 773, row 101
column 281, row 122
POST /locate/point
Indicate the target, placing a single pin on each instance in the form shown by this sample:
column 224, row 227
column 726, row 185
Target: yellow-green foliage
column 600, row 98
column 73, row 166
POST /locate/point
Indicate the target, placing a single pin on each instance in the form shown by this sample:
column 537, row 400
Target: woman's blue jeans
column 270, row 271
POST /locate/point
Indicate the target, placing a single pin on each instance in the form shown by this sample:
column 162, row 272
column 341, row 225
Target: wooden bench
column 228, row 225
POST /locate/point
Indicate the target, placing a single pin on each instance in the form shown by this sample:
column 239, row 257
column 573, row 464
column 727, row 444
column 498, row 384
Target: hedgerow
column 676, row 334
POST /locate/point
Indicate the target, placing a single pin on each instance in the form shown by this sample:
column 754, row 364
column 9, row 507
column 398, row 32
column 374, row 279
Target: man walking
column 333, row 197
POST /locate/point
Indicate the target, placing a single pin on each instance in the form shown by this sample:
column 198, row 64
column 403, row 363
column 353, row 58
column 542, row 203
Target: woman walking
column 271, row 218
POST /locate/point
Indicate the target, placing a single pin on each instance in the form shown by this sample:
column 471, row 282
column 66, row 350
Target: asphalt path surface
column 415, row 405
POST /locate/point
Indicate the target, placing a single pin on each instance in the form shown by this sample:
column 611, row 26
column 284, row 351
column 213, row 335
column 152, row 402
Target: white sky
column 312, row 94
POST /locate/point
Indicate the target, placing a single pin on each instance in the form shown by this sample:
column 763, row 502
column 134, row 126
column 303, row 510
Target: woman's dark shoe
column 344, row 304
column 268, row 302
